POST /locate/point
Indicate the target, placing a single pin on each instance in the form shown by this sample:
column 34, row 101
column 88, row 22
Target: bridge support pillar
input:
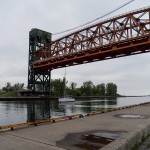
column 38, row 79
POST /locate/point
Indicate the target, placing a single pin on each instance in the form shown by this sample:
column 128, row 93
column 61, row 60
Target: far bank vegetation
column 58, row 86
column 86, row 89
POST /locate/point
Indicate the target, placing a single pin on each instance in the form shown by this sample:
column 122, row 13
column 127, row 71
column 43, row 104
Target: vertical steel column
column 38, row 80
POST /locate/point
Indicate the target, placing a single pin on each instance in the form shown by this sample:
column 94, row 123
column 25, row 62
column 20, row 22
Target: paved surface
column 88, row 133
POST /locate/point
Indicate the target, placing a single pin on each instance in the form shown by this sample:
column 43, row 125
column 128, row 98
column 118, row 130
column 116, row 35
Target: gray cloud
column 17, row 18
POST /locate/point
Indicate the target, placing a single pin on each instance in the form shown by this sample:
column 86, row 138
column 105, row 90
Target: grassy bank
column 8, row 94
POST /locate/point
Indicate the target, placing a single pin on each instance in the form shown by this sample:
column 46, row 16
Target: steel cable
column 94, row 19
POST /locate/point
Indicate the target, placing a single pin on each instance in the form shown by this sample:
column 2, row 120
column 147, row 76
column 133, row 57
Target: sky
column 131, row 74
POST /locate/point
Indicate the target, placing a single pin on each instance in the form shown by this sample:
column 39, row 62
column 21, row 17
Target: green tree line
column 61, row 87
column 10, row 88
column 87, row 88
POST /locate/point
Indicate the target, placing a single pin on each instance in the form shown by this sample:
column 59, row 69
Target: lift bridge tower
column 37, row 78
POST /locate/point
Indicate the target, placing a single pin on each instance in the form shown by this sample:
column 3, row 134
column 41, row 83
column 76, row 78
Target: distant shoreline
column 56, row 98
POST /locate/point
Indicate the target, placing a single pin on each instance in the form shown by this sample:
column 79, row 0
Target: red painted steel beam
column 125, row 35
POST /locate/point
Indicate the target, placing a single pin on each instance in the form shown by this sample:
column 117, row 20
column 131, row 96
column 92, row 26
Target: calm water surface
column 25, row 111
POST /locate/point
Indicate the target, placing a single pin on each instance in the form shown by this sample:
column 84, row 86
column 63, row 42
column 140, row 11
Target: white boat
column 66, row 99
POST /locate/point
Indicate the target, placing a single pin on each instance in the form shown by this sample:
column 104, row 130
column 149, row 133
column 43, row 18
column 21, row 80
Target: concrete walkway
column 88, row 133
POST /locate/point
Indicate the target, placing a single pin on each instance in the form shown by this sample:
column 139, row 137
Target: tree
column 18, row 86
column 39, row 87
column 71, row 90
column 57, row 87
column 15, row 87
column 111, row 89
column 73, row 85
column 87, row 88
column 8, row 87
column 100, row 89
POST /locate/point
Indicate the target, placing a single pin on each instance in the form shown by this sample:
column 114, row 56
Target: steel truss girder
column 127, row 34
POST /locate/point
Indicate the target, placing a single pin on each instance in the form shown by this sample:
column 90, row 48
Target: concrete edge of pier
column 129, row 140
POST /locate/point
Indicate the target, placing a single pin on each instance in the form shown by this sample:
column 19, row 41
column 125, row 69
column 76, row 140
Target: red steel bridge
column 123, row 35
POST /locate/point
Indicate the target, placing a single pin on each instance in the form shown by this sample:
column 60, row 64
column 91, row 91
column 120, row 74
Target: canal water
column 12, row 112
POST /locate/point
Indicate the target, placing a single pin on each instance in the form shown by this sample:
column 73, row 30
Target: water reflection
column 87, row 106
column 12, row 112
column 38, row 110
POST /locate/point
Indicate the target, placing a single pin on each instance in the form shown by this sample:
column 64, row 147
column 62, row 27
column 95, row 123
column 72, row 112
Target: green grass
column 8, row 94
column 148, row 145
column 137, row 145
